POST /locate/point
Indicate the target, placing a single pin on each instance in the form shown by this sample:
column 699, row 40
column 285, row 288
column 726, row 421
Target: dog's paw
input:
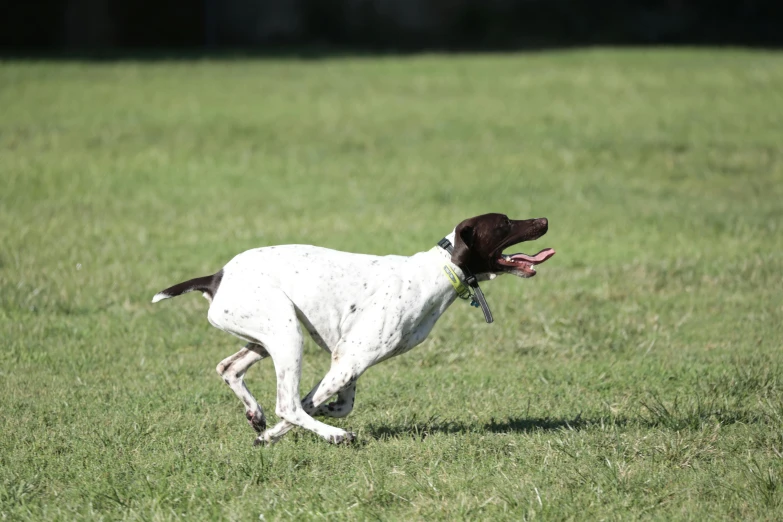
column 345, row 437
column 265, row 440
column 257, row 420
column 268, row 437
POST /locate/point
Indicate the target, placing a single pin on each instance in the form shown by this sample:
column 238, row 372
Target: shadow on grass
column 518, row 425
column 676, row 416
column 694, row 412
column 421, row 430
column 667, row 417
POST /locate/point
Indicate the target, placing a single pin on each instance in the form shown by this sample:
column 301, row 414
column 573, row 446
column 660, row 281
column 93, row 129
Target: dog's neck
column 447, row 256
column 466, row 286
column 434, row 265
column 481, row 277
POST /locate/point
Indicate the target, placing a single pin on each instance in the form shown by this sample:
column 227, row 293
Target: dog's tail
column 207, row 284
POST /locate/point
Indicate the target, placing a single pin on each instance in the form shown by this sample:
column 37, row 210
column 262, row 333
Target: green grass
column 640, row 375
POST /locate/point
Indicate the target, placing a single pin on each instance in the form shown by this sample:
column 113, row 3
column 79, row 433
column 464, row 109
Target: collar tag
column 461, row 288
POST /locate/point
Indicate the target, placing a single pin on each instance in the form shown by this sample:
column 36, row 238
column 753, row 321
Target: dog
column 362, row 309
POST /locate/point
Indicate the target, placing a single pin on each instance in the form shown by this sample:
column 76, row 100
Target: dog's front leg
column 342, row 375
column 371, row 334
column 342, row 406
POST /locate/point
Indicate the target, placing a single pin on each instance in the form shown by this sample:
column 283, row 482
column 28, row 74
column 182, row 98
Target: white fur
column 362, row 309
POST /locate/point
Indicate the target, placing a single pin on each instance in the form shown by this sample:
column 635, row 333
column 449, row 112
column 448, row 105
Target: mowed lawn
column 639, row 375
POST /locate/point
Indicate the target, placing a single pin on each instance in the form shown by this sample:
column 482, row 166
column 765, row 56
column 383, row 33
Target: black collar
column 477, row 297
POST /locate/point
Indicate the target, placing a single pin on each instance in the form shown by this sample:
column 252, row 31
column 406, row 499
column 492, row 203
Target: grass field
column 640, row 375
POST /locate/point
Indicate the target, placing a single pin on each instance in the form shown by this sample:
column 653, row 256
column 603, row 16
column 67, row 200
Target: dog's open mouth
column 522, row 264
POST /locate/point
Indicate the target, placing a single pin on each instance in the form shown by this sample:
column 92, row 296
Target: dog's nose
column 544, row 222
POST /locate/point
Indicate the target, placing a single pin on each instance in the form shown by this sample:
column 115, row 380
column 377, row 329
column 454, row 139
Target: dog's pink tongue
column 536, row 259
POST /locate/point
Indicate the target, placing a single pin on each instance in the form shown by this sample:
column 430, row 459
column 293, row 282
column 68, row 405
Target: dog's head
column 479, row 244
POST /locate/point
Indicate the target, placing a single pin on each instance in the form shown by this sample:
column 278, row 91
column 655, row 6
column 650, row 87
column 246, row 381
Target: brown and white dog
column 362, row 309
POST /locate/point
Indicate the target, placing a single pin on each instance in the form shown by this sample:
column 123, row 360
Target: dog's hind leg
column 232, row 369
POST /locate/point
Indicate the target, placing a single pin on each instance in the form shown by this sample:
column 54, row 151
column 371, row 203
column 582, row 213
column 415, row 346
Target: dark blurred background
column 394, row 25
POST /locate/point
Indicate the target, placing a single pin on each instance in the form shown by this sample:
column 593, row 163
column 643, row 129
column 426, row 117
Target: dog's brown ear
column 463, row 241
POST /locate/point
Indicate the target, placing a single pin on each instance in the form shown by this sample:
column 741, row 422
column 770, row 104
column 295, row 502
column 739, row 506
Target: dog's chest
column 413, row 337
